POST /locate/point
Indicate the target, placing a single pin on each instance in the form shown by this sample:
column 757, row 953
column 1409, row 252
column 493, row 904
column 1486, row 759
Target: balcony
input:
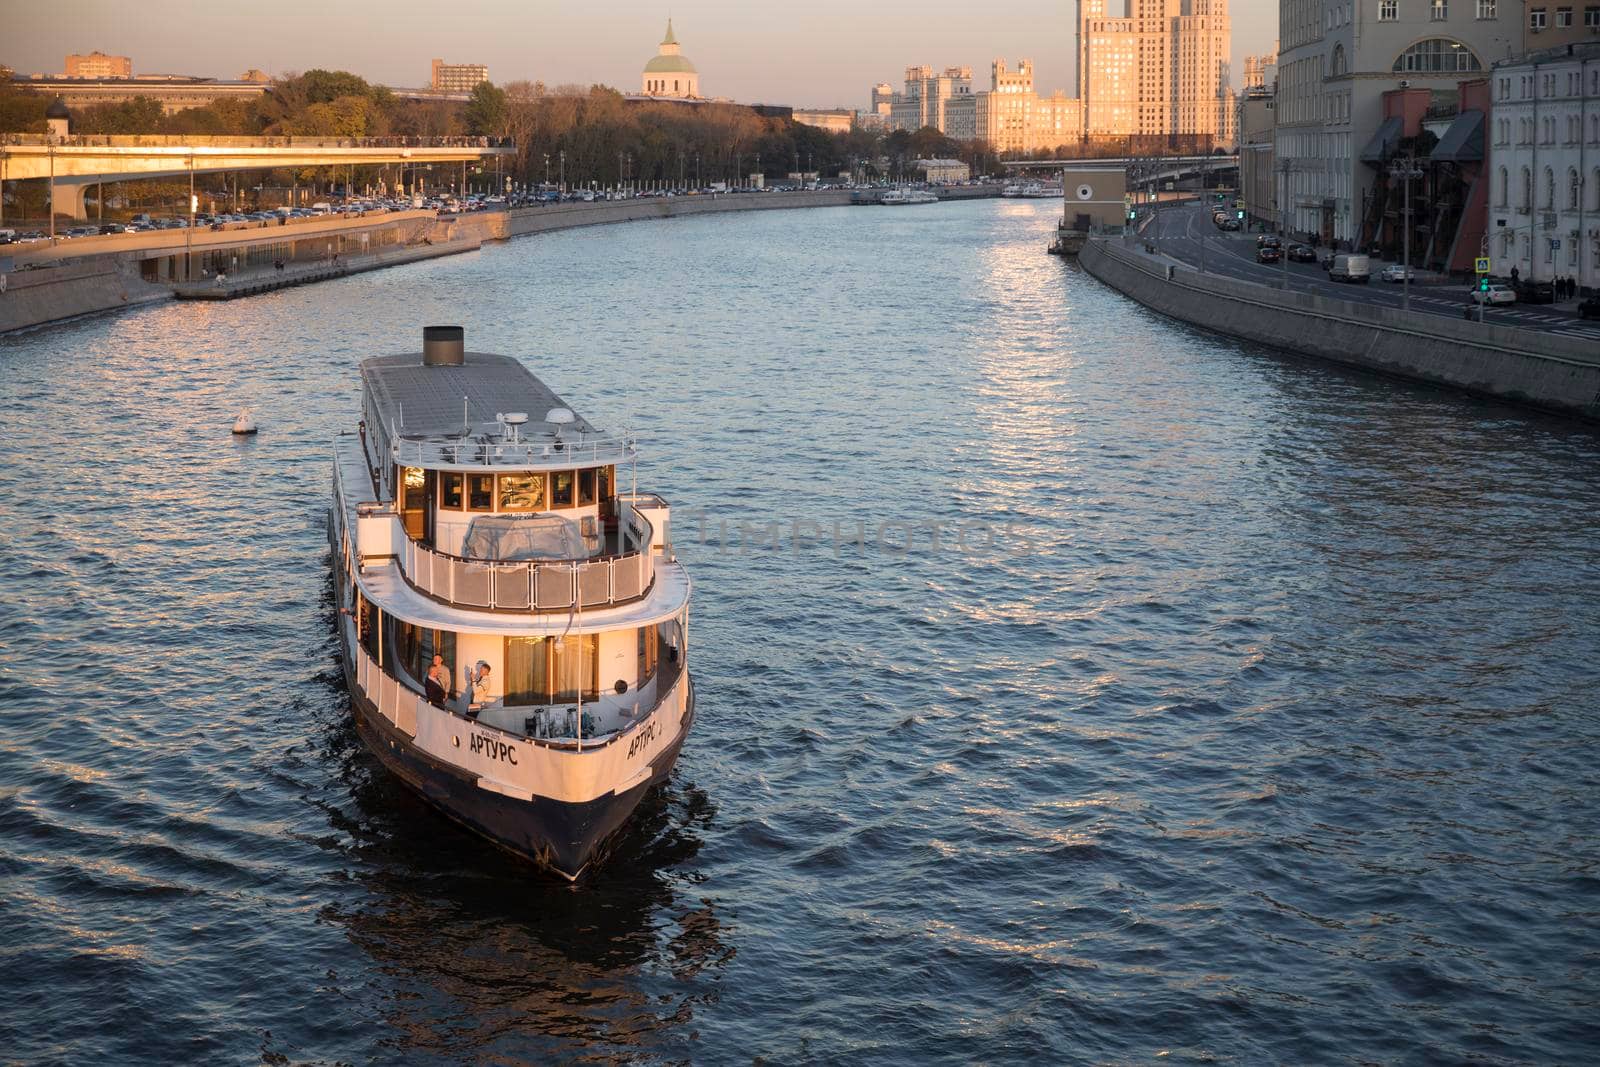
column 524, row 586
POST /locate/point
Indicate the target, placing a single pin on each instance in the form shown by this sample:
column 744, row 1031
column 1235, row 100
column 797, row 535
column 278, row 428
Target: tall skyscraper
column 1157, row 70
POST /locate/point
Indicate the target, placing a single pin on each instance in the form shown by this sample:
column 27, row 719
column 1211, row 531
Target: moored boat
column 513, row 622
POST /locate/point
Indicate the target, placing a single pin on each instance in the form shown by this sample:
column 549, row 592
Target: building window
column 1591, row 17
column 1500, row 186
column 1536, row 20
column 1439, row 10
column 1388, row 10
column 1436, row 55
column 1563, row 18
column 1486, row 9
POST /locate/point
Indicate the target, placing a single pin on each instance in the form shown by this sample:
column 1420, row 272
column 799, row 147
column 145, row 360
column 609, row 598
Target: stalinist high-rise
column 1155, row 71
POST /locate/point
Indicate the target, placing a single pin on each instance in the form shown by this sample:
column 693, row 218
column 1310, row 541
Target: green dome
column 670, row 65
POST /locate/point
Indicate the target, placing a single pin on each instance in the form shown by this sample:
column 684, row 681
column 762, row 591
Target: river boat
column 901, row 197
column 478, row 521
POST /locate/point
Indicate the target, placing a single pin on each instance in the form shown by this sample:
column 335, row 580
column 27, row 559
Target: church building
column 669, row 72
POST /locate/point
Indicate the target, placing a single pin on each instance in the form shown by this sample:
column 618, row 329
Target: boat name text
column 494, row 749
column 642, row 739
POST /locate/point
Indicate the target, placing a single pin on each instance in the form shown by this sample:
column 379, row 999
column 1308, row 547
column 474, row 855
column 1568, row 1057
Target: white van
column 1350, row 268
column 322, row 208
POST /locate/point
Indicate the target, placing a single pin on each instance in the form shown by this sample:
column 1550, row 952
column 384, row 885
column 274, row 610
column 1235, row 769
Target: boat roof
column 423, row 400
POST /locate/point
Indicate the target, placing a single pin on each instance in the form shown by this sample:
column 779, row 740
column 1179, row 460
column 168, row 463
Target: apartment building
column 1544, row 165
column 1337, row 59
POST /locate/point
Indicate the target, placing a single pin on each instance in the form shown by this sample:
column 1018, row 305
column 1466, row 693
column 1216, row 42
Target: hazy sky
column 811, row 53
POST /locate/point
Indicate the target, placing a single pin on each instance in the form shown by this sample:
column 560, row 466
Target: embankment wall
column 81, row 287
column 1560, row 374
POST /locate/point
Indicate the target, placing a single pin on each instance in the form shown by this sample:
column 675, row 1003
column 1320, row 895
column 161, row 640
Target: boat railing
column 488, row 450
column 401, row 705
column 533, row 585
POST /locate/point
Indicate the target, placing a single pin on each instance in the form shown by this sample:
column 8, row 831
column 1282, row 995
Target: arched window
column 1549, row 189
column 1501, row 181
column 1338, row 64
column 1525, row 191
column 1436, row 55
column 1574, row 190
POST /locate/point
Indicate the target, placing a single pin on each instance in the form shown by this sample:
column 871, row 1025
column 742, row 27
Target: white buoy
column 245, row 424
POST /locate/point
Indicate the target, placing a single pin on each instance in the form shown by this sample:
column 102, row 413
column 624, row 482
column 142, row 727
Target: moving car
column 1268, row 254
column 1268, row 240
column 1589, row 308
column 1350, row 267
column 1495, row 294
column 1394, row 272
column 1302, row 254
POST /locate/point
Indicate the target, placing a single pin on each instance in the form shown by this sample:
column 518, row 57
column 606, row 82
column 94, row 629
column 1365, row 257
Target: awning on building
column 1462, row 142
column 1383, row 143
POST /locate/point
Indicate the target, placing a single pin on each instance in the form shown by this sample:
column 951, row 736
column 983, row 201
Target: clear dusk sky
column 810, row 53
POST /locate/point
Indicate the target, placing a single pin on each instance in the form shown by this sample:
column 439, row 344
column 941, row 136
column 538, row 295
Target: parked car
column 1394, row 272
column 1495, row 294
column 1589, row 308
column 1302, row 254
column 1530, row 292
column 1351, row 267
column 1268, row 254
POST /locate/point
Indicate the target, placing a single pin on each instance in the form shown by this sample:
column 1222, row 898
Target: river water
column 1245, row 709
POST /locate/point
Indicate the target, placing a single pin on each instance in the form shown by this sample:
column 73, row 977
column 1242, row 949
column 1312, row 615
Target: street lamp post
column 563, row 179
column 1284, row 168
column 547, row 168
column 188, row 231
column 1406, row 169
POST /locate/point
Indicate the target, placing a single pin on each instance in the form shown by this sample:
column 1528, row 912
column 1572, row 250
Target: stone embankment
column 1558, row 374
column 48, row 284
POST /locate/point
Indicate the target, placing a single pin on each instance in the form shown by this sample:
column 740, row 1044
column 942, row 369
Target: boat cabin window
column 551, row 670
column 607, row 477
column 414, row 489
column 561, row 489
column 586, row 481
column 521, row 492
column 647, row 653
column 413, row 648
column 451, row 490
column 480, row 492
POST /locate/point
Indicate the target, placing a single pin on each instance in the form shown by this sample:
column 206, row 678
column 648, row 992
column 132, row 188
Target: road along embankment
column 1558, row 374
column 52, row 283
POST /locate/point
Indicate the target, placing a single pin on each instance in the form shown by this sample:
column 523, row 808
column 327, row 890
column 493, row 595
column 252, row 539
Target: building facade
column 926, row 97
column 1544, row 165
column 173, row 92
column 1158, row 71
column 98, row 65
column 834, row 120
column 1258, row 186
column 1009, row 114
column 457, row 77
column 1336, row 61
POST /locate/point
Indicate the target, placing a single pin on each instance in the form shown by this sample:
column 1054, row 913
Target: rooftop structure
column 669, row 72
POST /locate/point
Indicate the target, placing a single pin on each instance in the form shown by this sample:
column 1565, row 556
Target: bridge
column 77, row 162
column 1138, row 168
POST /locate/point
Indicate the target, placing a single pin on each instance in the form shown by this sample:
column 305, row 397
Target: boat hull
column 567, row 839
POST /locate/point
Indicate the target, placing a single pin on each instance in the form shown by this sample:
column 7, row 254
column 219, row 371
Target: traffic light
column 1240, row 213
column 1131, row 214
column 1483, row 283
column 1219, row 198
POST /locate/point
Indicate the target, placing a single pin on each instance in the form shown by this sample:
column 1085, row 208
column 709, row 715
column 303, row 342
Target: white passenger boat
column 479, row 522
column 900, row 197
